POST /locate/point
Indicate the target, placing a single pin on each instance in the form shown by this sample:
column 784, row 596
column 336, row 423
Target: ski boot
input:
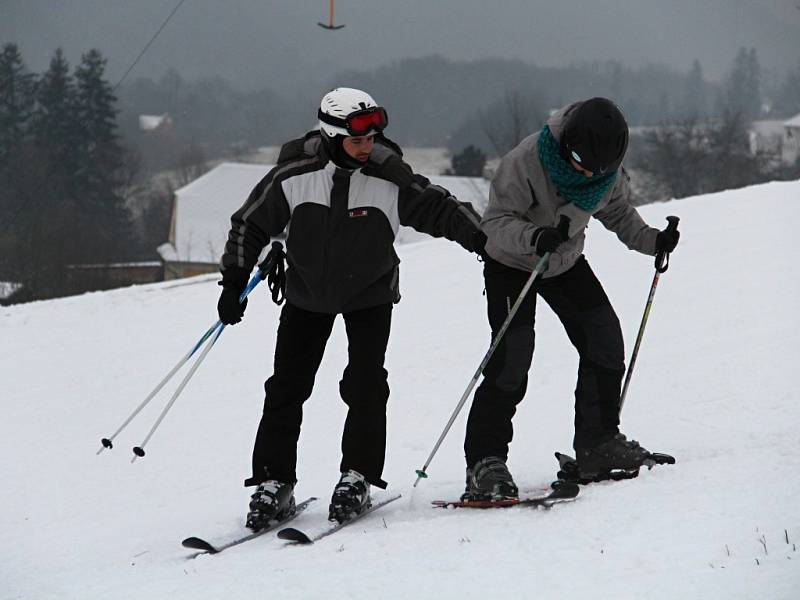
column 350, row 497
column 617, row 458
column 272, row 501
column 489, row 479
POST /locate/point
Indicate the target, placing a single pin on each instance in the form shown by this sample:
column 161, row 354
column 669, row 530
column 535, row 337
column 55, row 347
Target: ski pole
column 262, row 272
column 662, row 264
column 139, row 450
column 421, row 473
column 108, row 442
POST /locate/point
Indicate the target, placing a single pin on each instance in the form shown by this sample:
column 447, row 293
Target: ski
column 568, row 469
column 562, row 491
column 291, row 534
column 197, row 543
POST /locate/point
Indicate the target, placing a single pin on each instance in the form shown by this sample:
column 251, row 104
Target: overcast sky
column 267, row 43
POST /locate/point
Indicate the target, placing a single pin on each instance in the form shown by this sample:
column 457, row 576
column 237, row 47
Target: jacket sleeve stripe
column 245, row 224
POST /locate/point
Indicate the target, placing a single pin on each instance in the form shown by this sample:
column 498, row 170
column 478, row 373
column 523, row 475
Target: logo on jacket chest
column 357, row 212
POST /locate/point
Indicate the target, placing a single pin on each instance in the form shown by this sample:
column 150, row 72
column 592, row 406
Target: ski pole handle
column 662, row 258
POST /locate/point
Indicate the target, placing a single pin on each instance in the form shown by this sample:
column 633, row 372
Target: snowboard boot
column 350, row 497
column 489, row 479
column 617, row 455
column 272, row 501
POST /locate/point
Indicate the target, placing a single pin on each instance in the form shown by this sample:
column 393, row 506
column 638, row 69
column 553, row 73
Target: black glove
column 547, row 239
column 479, row 243
column 397, row 171
column 234, row 280
column 667, row 239
column 229, row 308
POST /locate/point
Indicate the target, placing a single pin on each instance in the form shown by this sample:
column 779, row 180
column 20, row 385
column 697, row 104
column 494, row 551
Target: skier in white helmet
column 344, row 190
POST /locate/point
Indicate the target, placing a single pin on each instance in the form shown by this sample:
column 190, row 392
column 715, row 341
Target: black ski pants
column 578, row 299
column 302, row 336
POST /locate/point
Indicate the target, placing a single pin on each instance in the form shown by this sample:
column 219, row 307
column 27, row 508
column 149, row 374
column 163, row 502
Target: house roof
column 203, row 209
column 793, row 122
column 8, row 289
column 151, row 122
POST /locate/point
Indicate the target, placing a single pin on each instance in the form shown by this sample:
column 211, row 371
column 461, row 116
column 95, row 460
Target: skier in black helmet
column 542, row 196
column 344, row 191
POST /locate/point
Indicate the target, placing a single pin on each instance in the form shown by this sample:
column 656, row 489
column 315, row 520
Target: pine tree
column 99, row 152
column 54, row 123
column 788, row 101
column 44, row 241
column 469, row 162
column 99, row 158
column 17, row 88
column 16, row 104
column 695, row 100
column 743, row 86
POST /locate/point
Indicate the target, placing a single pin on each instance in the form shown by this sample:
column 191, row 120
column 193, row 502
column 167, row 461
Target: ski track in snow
column 713, row 386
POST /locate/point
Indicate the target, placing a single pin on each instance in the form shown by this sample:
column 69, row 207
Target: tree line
column 701, row 153
column 63, row 173
column 72, row 157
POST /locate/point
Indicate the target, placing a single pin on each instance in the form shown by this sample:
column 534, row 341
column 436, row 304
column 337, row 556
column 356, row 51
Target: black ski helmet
column 595, row 136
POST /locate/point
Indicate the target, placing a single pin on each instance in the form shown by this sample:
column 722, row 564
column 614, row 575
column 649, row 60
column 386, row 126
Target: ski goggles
column 360, row 122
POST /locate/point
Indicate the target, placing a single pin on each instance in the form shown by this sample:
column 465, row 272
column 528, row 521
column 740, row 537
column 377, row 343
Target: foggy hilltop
column 262, row 43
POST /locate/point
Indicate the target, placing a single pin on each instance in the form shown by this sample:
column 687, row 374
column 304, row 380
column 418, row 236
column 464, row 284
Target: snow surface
column 714, row 385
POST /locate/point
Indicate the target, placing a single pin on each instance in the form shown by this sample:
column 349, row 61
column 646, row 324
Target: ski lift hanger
column 331, row 19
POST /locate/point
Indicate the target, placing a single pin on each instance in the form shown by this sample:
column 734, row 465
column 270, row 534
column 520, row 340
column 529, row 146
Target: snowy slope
column 714, row 385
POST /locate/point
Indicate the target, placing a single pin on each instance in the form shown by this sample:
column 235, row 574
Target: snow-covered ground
column 714, row 385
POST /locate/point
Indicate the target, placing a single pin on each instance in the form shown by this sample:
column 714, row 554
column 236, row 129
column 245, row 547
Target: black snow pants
column 578, row 299
column 302, row 336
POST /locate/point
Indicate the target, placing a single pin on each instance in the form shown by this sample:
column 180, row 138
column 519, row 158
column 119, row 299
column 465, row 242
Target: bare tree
column 511, row 119
column 192, row 163
column 677, row 156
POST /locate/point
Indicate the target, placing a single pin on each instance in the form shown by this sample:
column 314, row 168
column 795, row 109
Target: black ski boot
column 272, row 501
column 350, row 497
column 617, row 455
column 489, row 479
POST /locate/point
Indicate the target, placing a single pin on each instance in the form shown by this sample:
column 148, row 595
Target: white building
column 791, row 139
column 202, row 209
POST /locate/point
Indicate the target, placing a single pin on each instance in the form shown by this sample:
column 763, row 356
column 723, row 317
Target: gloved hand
column 547, row 239
column 229, row 308
column 479, row 242
column 398, row 172
column 667, row 239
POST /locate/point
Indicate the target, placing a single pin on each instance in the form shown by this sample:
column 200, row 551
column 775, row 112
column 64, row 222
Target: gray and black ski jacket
column 522, row 198
column 341, row 225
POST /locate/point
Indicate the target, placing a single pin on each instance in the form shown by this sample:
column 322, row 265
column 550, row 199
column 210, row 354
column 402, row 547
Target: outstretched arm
column 624, row 220
column 432, row 209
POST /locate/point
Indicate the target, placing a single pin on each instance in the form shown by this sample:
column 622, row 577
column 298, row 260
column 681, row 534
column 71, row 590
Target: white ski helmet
column 339, row 104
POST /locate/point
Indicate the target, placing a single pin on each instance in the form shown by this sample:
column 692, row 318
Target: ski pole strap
column 662, row 258
column 273, row 269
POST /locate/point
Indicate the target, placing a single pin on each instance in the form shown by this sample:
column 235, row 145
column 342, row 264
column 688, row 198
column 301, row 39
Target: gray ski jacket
column 522, row 198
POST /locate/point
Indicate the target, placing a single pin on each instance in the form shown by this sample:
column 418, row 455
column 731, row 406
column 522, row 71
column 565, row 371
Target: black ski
column 295, row 535
column 562, row 491
column 200, row 544
column 568, row 469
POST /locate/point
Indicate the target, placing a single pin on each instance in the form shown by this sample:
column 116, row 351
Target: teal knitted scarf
column 584, row 192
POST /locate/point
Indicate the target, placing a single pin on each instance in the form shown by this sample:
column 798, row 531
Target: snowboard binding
column 568, row 469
